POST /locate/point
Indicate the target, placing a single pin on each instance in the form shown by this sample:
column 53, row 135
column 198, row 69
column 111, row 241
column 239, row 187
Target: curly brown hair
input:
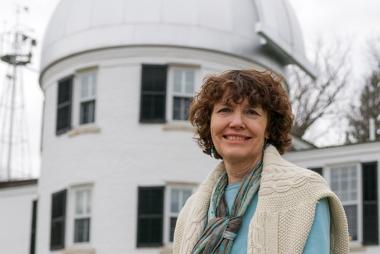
column 260, row 88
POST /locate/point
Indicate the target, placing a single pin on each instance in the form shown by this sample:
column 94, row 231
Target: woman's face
column 238, row 131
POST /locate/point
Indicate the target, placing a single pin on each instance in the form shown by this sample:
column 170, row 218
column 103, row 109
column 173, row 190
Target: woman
column 255, row 201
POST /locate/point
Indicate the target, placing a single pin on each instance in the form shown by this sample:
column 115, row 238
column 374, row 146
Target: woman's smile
column 236, row 137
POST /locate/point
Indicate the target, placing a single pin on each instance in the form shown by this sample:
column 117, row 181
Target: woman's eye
column 224, row 110
column 252, row 112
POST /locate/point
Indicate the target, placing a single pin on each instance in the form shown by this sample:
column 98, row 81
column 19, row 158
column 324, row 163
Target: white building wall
column 16, row 218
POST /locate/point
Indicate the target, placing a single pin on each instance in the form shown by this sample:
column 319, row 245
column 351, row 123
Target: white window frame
column 78, row 93
column 327, row 173
column 167, row 211
column 72, row 214
column 170, row 88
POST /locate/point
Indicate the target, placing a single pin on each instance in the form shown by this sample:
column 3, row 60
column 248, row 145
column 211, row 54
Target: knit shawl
column 284, row 215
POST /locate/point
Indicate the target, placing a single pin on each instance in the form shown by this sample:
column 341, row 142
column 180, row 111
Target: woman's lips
column 236, row 137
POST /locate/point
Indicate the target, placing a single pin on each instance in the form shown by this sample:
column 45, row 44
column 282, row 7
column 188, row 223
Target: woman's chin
column 236, row 157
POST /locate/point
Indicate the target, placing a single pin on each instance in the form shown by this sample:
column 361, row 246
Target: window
column 344, row 181
column 178, row 197
column 183, row 80
column 153, row 93
column 357, row 189
column 64, row 102
column 165, row 98
column 58, row 220
column 158, row 209
column 150, row 216
column 82, row 214
column 87, row 83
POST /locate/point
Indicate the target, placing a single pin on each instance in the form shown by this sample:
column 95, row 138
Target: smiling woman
column 255, row 201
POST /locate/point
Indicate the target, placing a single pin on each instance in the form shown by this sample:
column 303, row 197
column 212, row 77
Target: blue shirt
column 319, row 237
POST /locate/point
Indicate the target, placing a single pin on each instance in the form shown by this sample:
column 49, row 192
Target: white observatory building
column 118, row 155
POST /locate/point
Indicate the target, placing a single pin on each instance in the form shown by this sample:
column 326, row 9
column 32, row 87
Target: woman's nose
column 237, row 120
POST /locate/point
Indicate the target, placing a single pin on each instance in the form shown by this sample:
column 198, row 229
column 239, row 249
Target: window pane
column 177, row 108
column 353, row 195
column 344, row 182
column 88, row 85
column 88, row 202
column 79, row 200
column 187, row 102
column 351, row 212
column 353, row 172
column 344, row 185
column 344, row 196
column 334, row 185
column 174, row 202
column 87, row 112
column 82, row 230
column 181, row 108
column 344, row 174
column 334, row 174
column 83, row 202
column 177, row 81
column 189, row 81
column 84, row 85
column 353, row 183
column 93, row 85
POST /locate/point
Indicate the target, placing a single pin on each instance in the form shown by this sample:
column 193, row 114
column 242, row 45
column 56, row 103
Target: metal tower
column 16, row 53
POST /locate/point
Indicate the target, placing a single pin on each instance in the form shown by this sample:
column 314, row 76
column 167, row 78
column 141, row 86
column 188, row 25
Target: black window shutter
column 33, row 228
column 58, row 220
column 317, row 170
column 64, row 101
column 150, row 216
column 153, row 93
column 370, row 204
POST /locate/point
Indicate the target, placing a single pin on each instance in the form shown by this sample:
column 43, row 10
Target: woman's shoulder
column 281, row 176
column 279, row 171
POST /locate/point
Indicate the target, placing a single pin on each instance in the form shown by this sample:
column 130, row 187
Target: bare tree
column 313, row 99
column 359, row 117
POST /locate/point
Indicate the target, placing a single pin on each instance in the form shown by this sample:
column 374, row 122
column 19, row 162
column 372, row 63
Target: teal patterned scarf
column 222, row 227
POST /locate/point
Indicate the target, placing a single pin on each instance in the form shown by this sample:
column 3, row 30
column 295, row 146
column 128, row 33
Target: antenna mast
column 16, row 53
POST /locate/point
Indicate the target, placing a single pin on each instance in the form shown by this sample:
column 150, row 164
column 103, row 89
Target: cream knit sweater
column 284, row 215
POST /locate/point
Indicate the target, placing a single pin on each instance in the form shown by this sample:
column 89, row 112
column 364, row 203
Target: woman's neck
column 237, row 170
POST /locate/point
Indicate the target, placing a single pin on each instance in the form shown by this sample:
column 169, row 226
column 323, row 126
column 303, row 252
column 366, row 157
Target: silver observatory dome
column 264, row 31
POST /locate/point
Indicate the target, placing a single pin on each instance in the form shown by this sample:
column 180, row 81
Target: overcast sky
column 349, row 21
